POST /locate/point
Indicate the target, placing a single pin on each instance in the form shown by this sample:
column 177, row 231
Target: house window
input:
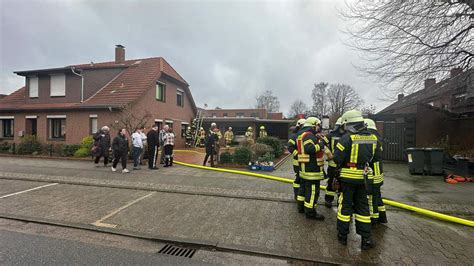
column 224, row 114
column 240, row 115
column 7, row 128
column 214, row 115
column 57, row 128
column 160, row 91
column 33, row 87
column 254, row 115
column 180, row 98
column 184, row 127
column 93, row 124
column 58, row 85
column 169, row 123
column 159, row 123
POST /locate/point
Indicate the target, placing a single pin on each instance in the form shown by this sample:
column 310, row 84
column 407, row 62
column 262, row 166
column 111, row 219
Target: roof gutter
column 82, row 82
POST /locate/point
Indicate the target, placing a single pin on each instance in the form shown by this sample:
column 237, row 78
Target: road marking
column 28, row 190
column 99, row 222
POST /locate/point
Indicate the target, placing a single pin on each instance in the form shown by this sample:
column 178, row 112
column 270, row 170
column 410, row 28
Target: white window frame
column 91, row 124
column 57, row 85
column 34, row 86
column 180, row 92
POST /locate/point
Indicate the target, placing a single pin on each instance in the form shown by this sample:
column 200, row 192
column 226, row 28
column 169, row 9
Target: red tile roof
column 131, row 83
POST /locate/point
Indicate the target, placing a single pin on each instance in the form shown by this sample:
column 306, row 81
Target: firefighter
column 202, row 137
column 263, row 133
column 216, row 131
column 189, row 137
column 310, row 159
column 249, row 135
column 228, row 137
column 294, row 151
column 356, row 150
column 378, row 214
column 333, row 138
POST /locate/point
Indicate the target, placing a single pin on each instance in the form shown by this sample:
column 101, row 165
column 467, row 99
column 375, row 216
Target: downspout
column 82, row 82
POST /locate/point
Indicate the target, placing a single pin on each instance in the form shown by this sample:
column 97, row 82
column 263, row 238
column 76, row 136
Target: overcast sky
column 228, row 51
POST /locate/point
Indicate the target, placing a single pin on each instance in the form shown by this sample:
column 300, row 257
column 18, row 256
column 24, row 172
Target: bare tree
column 131, row 119
column 296, row 108
column 268, row 101
column 406, row 42
column 320, row 100
column 343, row 98
column 368, row 110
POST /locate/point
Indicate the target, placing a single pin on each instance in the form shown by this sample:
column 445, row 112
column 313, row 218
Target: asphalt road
column 26, row 249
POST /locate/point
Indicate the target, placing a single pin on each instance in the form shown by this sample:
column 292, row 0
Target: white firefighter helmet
column 300, row 122
column 370, row 124
column 311, row 122
column 352, row 116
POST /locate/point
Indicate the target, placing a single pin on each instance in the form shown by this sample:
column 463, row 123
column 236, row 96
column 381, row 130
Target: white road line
column 31, row 189
column 101, row 224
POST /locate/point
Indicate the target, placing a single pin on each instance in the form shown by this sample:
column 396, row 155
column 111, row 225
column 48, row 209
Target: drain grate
column 177, row 251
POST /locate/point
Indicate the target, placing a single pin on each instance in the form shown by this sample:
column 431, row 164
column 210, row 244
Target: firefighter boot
column 383, row 218
column 367, row 243
column 342, row 239
column 300, row 206
column 314, row 216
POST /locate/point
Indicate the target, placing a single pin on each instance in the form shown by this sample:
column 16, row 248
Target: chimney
column 119, row 54
column 455, row 71
column 400, row 96
column 429, row 83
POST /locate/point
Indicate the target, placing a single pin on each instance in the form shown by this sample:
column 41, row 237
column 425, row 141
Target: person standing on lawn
column 120, row 150
column 101, row 145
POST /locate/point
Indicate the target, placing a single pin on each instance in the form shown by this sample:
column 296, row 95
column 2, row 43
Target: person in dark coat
column 210, row 141
column 153, row 139
column 102, row 145
column 120, row 150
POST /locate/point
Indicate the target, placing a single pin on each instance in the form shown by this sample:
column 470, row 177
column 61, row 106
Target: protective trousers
column 377, row 208
column 309, row 193
column 330, row 191
column 353, row 200
column 296, row 182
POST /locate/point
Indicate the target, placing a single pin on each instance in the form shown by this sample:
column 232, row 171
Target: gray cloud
column 228, row 51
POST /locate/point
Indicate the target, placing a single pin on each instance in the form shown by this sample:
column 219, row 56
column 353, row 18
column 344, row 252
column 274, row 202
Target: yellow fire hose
column 426, row 212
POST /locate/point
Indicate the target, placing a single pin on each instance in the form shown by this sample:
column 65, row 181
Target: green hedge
column 242, row 155
column 68, row 150
column 275, row 143
column 226, row 157
column 82, row 152
column 267, row 157
column 29, row 145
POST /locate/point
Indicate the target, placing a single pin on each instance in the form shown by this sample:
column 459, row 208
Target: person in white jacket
column 137, row 147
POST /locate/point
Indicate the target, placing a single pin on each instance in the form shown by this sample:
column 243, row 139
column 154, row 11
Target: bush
column 6, row 147
column 69, row 149
column 226, row 157
column 275, row 143
column 87, row 142
column 242, row 155
column 267, row 157
column 260, row 149
column 246, row 143
column 29, row 145
column 82, row 152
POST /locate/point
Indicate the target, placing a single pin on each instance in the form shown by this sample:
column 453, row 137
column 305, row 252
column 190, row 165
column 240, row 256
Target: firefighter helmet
column 249, row 129
column 230, row 128
column 370, row 124
column 311, row 122
column 339, row 121
column 352, row 116
column 300, row 122
column 262, row 127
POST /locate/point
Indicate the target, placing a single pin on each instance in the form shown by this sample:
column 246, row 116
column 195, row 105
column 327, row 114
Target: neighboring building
column 442, row 110
column 241, row 119
column 64, row 105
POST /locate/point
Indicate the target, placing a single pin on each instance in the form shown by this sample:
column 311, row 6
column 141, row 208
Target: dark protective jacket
column 310, row 154
column 292, row 149
column 102, row 141
column 377, row 165
column 332, row 139
column 353, row 151
column 120, row 144
column 153, row 138
column 211, row 140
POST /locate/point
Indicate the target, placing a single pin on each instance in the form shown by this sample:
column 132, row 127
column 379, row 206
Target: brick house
column 442, row 110
column 64, row 105
column 241, row 119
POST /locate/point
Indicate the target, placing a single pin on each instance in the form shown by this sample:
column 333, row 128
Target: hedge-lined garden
column 266, row 149
column 29, row 145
